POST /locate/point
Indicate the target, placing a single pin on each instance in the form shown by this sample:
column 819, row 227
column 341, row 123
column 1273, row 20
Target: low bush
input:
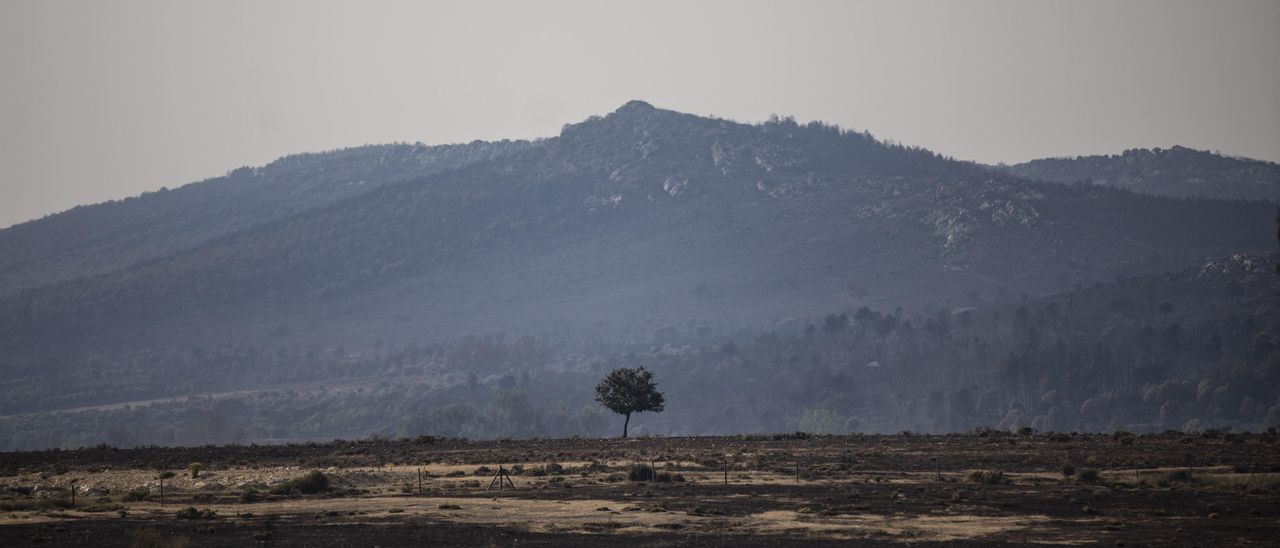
column 100, row 507
column 21, row 505
column 137, row 494
column 190, row 512
column 311, row 483
column 993, row 476
column 639, row 472
column 643, row 472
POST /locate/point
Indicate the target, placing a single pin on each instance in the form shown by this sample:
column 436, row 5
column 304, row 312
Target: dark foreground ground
column 1117, row 490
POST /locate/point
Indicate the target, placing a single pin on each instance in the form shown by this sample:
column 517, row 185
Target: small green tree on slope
column 625, row 391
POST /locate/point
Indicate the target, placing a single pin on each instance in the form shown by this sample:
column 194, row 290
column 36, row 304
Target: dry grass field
column 1211, row 489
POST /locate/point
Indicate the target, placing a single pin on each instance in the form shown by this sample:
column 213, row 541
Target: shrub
column 137, row 494
column 455, row 474
column 190, row 512
column 1068, row 470
column 483, row 471
column 993, row 476
column 643, row 472
column 449, row 507
column 250, row 496
column 195, row 469
column 553, row 468
column 1089, row 475
column 100, row 507
column 311, row 483
column 640, row 472
column 34, row 504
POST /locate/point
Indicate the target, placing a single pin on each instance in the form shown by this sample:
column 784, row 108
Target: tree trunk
column 624, row 425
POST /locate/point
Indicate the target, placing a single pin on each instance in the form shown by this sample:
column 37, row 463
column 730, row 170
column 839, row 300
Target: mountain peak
column 634, row 116
column 634, row 105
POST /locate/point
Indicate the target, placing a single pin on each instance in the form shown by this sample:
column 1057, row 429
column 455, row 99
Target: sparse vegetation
column 640, row 472
column 990, row 476
column 191, row 512
column 854, row 476
column 137, row 494
column 311, row 483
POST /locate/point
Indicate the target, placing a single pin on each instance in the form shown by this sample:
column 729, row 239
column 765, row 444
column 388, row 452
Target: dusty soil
column 1211, row 490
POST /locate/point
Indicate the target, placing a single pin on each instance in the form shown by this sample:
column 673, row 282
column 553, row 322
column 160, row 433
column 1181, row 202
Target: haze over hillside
column 638, row 231
column 1176, row 171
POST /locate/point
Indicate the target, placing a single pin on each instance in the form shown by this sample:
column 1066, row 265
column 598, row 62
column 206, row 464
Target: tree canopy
column 625, row 391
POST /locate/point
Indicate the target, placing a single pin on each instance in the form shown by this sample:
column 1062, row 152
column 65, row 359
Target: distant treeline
column 1184, row 351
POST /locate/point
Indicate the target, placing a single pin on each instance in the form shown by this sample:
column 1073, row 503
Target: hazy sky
column 101, row 100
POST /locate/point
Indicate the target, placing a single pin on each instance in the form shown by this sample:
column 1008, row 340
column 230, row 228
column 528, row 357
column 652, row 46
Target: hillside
column 1179, row 172
column 1191, row 349
column 619, row 227
column 97, row 239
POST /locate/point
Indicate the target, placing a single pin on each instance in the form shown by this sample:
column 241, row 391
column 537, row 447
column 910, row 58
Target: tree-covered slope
column 107, row 237
column 629, row 221
column 1177, row 171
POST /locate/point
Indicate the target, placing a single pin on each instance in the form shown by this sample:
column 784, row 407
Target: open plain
column 984, row 488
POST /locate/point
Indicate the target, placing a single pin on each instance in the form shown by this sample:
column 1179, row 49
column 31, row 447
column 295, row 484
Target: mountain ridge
column 60, row 246
column 812, row 212
column 1177, row 171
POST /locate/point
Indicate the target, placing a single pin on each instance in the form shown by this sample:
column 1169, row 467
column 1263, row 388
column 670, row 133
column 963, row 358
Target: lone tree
column 625, row 391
